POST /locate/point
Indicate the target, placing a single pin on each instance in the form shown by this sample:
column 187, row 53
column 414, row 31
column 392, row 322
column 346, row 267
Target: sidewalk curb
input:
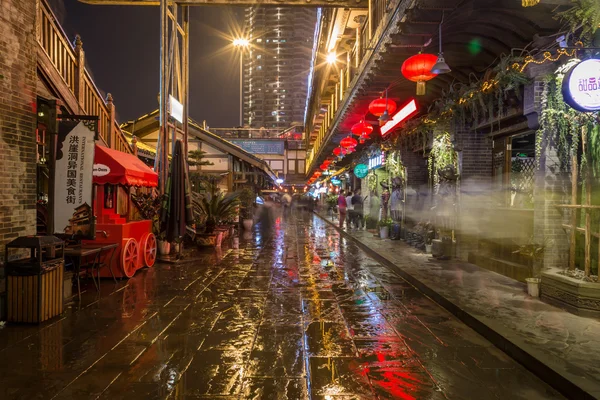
column 547, row 374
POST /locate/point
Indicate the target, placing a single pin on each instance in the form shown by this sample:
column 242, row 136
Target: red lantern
column 337, row 151
column 379, row 106
column 418, row 69
column 324, row 166
column 362, row 129
column 348, row 142
column 317, row 174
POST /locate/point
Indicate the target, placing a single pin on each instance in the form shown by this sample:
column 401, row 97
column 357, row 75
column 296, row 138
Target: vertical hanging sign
column 73, row 214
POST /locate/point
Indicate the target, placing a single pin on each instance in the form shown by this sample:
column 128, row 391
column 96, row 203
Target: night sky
column 121, row 45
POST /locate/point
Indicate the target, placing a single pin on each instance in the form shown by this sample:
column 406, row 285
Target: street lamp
column 331, row 58
column 241, row 43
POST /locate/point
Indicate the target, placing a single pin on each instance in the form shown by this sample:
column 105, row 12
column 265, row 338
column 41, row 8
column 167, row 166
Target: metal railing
column 69, row 62
column 292, row 133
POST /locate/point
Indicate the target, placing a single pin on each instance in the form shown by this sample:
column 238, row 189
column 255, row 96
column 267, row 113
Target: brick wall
column 551, row 188
column 17, row 119
column 418, row 198
column 475, row 159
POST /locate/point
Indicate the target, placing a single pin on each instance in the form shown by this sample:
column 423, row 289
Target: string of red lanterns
column 417, row 68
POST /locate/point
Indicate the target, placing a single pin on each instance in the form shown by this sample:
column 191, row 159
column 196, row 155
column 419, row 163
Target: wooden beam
column 271, row 3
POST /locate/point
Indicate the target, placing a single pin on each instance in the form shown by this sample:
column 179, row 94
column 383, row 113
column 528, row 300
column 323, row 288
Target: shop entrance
column 509, row 220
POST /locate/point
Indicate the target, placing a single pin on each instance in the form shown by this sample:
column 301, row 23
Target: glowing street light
column 241, row 43
column 331, row 58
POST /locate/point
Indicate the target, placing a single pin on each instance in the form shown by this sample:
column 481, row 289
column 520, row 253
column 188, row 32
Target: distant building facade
column 276, row 65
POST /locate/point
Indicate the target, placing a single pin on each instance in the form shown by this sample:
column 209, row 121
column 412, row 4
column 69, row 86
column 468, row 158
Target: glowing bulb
column 241, row 42
column 331, row 58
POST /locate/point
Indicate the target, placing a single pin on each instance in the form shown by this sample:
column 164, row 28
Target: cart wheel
column 129, row 257
column 148, row 247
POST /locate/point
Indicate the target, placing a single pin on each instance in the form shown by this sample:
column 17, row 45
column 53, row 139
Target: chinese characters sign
column 361, row 170
column 377, row 160
column 581, row 86
column 73, row 213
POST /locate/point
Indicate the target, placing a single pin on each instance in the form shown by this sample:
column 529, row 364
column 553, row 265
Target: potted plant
column 331, row 201
column 164, row 247
column 429, row 236
column 370, row 222
column 247, row 198
column 535, row 252
column 384, row 227
column 217, row 207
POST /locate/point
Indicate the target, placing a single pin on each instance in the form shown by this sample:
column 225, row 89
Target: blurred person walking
column 350, row 210
column 342, row 208
column 357, row 203
column 287, row 203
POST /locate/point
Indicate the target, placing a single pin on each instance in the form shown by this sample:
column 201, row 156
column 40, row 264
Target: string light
column 488, row 85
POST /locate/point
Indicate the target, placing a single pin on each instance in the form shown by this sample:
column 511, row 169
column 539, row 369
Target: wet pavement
column 297, row 312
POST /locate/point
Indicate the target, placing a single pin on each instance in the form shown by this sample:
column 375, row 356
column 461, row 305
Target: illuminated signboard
column 336, row 182
column 377, row 161
column 361, row 170
column 408, row 110
column 581, row 86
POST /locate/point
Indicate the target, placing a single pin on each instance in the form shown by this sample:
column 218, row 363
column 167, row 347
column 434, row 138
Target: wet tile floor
column 296, row 313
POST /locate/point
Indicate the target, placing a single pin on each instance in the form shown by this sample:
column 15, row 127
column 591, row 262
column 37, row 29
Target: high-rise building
column 276, row 65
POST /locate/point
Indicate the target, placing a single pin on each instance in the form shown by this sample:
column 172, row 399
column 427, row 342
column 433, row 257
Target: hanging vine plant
column 394, row 166
column 372, row 182
column 584, row 16
column 561, row 125
column 441, row 156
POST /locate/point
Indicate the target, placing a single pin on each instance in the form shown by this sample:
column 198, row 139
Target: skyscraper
column 276, row 65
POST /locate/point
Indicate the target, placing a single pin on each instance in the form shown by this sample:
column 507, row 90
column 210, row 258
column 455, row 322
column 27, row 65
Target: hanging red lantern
column 324, row 166
column 418, row 69
column 317, row 174
column 379, row 106
column 337, row 151
column 348, row 142
column 327, row 162
column 362, row 129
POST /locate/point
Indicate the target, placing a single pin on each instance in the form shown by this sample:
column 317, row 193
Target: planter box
column 512, row 270
column 206, row 240
column 579, row 296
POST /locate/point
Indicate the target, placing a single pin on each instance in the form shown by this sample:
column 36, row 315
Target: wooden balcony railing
column 69, row 63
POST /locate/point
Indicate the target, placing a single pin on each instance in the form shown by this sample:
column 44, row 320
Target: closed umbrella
column 176, row 211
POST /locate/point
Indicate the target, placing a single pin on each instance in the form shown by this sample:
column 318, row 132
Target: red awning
column 116, row 167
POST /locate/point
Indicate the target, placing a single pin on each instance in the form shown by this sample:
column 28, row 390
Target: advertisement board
column 581, row 86
column 73, row 214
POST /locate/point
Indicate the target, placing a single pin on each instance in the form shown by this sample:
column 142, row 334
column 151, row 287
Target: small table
column 80, row 252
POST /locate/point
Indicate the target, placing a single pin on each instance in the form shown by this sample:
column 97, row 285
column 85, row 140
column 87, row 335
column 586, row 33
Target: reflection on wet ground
column 296, row 313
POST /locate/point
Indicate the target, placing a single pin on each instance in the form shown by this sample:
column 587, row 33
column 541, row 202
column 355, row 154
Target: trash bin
column 35, row 284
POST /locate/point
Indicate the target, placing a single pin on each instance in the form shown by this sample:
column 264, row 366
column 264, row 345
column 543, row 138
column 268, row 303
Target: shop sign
column 377, row 160
column 361, row 170
column 336, row 182
column 73, row 214
column 101, row 170
column 405, row 112
column 581, row 86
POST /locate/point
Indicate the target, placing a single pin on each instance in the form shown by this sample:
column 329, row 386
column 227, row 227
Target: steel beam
column 272, row 3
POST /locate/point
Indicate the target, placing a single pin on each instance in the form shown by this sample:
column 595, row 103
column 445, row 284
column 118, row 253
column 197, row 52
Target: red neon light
column 407, row 111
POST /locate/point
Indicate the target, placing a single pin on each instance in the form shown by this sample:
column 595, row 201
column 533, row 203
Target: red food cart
column 115, row 175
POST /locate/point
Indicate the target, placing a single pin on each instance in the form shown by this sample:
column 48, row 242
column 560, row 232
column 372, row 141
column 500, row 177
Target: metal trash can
column 35, row 284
